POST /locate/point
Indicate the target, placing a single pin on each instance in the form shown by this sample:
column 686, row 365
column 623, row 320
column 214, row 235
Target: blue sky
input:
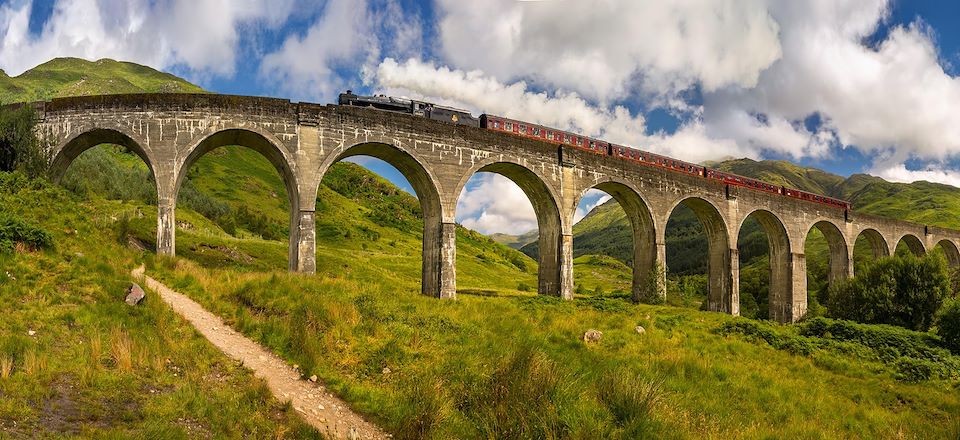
column 846, row 86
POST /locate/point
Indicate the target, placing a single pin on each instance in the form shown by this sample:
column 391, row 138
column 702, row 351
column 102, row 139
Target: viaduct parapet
column 170, row 132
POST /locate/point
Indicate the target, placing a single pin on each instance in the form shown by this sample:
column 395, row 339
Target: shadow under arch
column 436, row 280
column 551, row 269
column 645, row 273
column 69, row 150
column 269, row 149
column 838, row 256
column 721, row 292
column 781, row 290
column 951, row 252
column 913, row 244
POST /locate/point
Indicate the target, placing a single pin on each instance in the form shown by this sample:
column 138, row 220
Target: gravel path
column 312, row 401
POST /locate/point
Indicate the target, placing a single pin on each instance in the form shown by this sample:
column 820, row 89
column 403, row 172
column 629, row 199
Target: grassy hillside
column 500, row 362
column 76, row 77
column 75, row 361
column 515, row 241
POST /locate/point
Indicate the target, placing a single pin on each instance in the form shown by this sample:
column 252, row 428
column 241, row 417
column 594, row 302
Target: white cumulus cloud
column 201, row 35
column 493, row 203
column 601, row 48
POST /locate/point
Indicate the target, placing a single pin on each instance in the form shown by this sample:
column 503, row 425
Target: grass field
column 75, row 361
column 499, row 362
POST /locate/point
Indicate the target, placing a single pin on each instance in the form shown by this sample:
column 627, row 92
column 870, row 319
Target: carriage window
column 580, row 141
column 536, row 131
column 566, row 138
column 510, row 126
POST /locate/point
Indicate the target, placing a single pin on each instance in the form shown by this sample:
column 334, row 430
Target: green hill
column 76, row 77
column 515, row 241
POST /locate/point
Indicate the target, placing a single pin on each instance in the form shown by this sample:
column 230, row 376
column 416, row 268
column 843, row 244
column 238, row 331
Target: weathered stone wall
column 170, row 132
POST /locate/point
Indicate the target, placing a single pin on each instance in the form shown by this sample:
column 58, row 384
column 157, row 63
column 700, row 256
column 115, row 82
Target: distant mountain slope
column 76, row 77
column 515, row 241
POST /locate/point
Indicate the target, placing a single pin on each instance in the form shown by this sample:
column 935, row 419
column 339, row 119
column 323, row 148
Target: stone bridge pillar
column 166, row 226
column 566, row 266
column 439, row 277
column 788, row 301
column 642, row 274
column 166, row 208
column 304, row 243
column 448, row 260
column 723, row 293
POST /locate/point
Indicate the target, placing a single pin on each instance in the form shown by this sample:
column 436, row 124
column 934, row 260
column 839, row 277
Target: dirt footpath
column 318, row 407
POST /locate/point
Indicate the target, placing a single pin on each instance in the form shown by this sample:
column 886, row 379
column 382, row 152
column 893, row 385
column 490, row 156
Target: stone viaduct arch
column 840, row 254
column 878, row 244
column 555, row 237
column 434, row 279
column 783, row 284
column 950, row 251
column 88, row 138
column 723, row 294
column 645, row 250
column 913, row 244
column 170, row 132
column 262, row 142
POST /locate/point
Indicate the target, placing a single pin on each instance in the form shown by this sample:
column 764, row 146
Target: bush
column 19, row 147
column 888, row 342
column 13, row 230
column 908, row 355
column 767, row 332
column 916, row 370
column 905, row 292
column 948, row 325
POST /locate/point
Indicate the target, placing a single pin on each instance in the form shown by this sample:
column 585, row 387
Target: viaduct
column 170, row 132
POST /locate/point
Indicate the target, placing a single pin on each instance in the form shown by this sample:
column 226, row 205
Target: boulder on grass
column 592, row 336
column 135, row 294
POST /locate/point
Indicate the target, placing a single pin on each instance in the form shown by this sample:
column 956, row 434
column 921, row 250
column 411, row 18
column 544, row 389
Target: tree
column 948, row 325
column 902, row 291
column 20, row 149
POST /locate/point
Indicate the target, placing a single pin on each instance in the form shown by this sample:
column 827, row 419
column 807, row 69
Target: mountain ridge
column 62, row 77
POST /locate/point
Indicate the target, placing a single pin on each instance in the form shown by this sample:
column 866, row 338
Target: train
column 574, row 140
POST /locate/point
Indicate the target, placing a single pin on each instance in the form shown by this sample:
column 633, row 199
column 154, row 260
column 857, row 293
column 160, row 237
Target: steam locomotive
column 560, row 137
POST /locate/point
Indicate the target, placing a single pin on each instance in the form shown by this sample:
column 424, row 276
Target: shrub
column 763, row 331
column 888, row 342
column 13, row 230
column 910, row 356
column 906, row 292
column 20, row 149
column 948, row 325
